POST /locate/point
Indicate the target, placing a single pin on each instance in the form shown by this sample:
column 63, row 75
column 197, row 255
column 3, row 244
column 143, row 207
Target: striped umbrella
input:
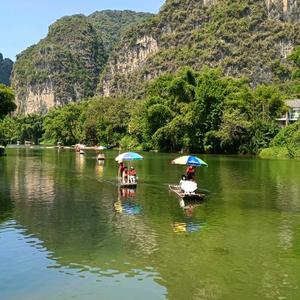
column 129, row 156
column 190, row 161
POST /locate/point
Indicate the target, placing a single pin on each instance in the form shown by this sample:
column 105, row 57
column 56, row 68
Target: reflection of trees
column 74, row 215
column 33, row 180
column 6, row 205
column 132, row 227
column 249, row 244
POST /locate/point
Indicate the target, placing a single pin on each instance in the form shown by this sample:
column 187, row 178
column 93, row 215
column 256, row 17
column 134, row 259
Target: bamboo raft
column 186, row 196
column 127, row 184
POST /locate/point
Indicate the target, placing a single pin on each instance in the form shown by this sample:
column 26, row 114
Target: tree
column 64, row 124
column 7, row 104
column 106, row 120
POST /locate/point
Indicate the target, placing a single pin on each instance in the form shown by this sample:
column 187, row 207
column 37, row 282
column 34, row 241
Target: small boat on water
column 128, row 178
column 186, row 195
column 123, row 184
column 188, row 188
column 100, row 153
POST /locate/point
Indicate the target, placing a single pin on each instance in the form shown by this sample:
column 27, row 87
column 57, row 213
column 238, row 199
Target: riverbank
column 280, row 152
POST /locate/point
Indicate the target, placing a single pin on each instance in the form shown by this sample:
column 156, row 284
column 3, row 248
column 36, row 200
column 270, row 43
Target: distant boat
column 79, row 148
column 100, row 155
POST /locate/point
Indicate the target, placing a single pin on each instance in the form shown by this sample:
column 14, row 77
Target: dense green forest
column 196, row 111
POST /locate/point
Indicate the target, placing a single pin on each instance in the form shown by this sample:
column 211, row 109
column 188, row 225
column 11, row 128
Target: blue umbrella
column 190, row 161
column 128, row 156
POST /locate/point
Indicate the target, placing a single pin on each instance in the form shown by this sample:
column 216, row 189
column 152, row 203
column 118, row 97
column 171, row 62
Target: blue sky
column 25, row 22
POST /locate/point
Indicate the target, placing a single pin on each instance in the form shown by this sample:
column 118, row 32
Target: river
column 67, row 232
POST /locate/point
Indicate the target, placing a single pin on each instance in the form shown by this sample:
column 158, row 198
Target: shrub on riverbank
column 285, row 144
column 280, row 152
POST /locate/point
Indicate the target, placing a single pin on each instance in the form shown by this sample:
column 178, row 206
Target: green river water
column 67, row 232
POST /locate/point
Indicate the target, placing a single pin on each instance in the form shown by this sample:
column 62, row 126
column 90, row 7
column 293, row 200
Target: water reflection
column 126, row 202
column 38, row 265
column 100, row 168
column 188, row 206
column 189, row 227
column 73, row 230
column 80, row 161
column 131, row 225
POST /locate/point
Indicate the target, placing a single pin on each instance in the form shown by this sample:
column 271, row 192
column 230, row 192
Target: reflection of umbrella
column 101, row 148
column 131, row 209
column 190, row 161
column 186, row 227
column 128, row 156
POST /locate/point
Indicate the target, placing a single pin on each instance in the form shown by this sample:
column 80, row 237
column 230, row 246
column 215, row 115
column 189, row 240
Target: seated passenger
column 121, row 169
column 132, row 175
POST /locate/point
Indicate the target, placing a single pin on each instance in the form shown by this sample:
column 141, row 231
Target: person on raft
column 121, row 169
column 132, row 175
column 125, row 175
column 191, row 173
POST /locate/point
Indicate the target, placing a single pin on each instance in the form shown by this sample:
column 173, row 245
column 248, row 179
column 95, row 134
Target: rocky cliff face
column 284, row 9
column 61, row 68
column 244, row 37
column 65, row 66
column 6, row 66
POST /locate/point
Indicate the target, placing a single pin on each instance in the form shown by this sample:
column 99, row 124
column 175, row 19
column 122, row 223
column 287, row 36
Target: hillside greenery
column 69, row 60
column 236, row 36
column 112, row 24
column 6, row 66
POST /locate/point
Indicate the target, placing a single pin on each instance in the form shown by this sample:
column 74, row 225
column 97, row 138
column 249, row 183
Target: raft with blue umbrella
column 188, row 189
column 128, row 157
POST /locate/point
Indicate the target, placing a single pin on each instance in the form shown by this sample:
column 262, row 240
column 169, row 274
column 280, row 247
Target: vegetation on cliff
column 67, row 63
column 6, row 66
column 112, row 24
column 236, row 36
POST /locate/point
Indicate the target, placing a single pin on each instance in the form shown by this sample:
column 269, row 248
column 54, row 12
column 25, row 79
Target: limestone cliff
column 65, row 66
column 244, row 37
column 284, row 9
column 61, row 68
